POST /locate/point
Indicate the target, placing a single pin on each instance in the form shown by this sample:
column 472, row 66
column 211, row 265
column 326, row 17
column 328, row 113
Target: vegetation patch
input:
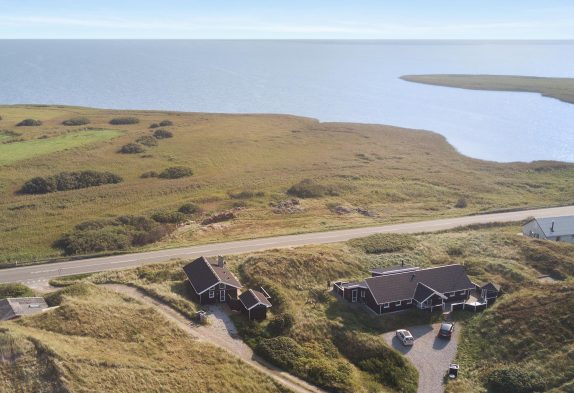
column 147, row 140
column 189, row 208
column 175, row 172
column 76, row 121
column 384, row 243
column 165, row 123
column 29, row 123
column 132, row 148
column 162, row 134
column 309, row 188
column 66, row 181
column 15, row 290
column 124, row 120
column 169, row 217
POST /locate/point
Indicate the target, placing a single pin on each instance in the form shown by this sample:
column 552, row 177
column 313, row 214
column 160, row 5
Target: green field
column 32, row 149
column 246, row 163
column 560, row 88
column 530, row 327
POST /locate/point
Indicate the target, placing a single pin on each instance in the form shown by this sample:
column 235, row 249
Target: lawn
column 360, row 175
column 11, row 153
column 98, row 340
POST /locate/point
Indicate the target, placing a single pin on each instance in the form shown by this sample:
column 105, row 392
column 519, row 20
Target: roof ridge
column 211, row 268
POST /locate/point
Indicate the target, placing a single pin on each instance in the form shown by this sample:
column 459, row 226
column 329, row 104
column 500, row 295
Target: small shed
column 12, row 308
column 255, row 304
column 559, row 229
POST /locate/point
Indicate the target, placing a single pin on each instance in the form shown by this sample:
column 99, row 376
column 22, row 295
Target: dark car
column 446, row 329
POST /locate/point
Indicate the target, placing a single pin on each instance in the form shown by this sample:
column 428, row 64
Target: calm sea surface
column 354, row 81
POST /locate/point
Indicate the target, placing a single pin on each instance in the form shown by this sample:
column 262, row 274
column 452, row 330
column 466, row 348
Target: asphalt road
column 38, row 275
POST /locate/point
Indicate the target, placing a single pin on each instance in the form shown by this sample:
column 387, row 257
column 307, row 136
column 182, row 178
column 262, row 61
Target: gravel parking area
column 430, row 355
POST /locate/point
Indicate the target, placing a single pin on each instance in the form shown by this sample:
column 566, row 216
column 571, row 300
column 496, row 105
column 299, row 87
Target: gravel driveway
column 430, row 355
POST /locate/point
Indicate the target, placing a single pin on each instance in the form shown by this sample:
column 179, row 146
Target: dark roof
column 352, row 284
column 251, row 298
column 203, row 275
column 17, row 307
column 490, row 286
column 401, row 286
column 393, row 269
column 422, row 293
column 563, row 225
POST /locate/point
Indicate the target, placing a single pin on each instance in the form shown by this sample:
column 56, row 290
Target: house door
column 354, row 296
column 222, row 296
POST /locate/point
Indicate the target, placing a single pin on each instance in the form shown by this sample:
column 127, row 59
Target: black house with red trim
column 402, row 287
column 211, row 283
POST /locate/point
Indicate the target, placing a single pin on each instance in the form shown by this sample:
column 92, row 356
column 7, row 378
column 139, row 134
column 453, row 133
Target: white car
column 405, row 337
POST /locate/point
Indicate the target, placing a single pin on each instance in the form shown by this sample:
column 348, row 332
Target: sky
column 292, row 19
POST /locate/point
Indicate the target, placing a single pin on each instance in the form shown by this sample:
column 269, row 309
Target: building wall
column 230, row 292
column 361, row 294
column 258, row 313
column 394, row 307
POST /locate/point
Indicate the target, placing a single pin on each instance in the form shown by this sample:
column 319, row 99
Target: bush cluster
column 375, row 357
column 165, row 123
column 162, row 134
column 384, row 242
column 76, row 121
column 461, row 203
column 132, row 148
column 280, row 324
column 112, row 235
column 169, row 217
column 124, row 120
column 189, row 208
column 29, row 123
column 15, row 290
column 309, row 188
column 246, row 194
column 514, row 379
column 65, row 181
column 149, row 174
column 147, row 140
column 175, row 172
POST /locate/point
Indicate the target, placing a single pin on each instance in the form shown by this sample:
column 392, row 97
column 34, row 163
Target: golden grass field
column 397, row 174
column 100, row 341
column 560, row 88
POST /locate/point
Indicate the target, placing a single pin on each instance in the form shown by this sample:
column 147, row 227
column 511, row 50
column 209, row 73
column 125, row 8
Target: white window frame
column 363, row 294
column 221, row 285
column 386, row 305
column 462, row 292
column 354, row 295
column 222, row 295
column 410, row 301
column 398, row 303
column 212, row 293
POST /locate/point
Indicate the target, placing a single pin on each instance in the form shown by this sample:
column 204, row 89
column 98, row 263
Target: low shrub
column 29, row 123
column 176, row 172
column 124, row 120
column 461, row 203
column 153, row 125
column 218, row 217
column 147, row 140
column 169, row 217
column 283, row 352
column 189, row 208
column 309, row 188
column 162, row 134
column 149, row 174
column 76, row 121
column 280, row 324
column 246, row 194
column 15, row 290
column 131, row 148
column 514, row 379
column 165, row 123
column 65, row 181
column 384, row 242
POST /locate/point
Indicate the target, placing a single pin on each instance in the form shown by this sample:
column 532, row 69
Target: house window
column 410, row 301
column 221, row 286
column 398, row 303
column 463, row 292
column 363, row 294
column 211, row 293
column 386, row 305
column 451, row 294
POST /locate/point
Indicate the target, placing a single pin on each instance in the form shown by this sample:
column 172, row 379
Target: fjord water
column 349, row 81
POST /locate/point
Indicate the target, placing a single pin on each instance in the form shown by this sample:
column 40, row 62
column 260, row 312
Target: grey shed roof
column 16, row 307
column 393, row 269
column 402, row 286
column 251, row 298
column 203, row 275
column 563, row 225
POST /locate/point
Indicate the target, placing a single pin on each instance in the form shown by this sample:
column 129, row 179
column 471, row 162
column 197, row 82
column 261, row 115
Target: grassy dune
column 395, row 174
column 526, row 328
column 99, row 341
column 559, row 88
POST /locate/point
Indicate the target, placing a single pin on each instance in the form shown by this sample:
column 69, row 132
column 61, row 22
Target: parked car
column 446, row 329
column 405, row 337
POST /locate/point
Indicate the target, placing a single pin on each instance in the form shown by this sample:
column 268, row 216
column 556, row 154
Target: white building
column 560, row 229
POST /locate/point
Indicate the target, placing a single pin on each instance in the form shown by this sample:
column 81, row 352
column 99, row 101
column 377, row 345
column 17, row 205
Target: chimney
column 220, row 261
column 552, row 227
column 402, row 263
column 413, row 277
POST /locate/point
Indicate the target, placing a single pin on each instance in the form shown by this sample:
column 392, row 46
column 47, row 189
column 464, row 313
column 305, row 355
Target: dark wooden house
column 255, row 304
column 402, row 287
column 211, row 282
